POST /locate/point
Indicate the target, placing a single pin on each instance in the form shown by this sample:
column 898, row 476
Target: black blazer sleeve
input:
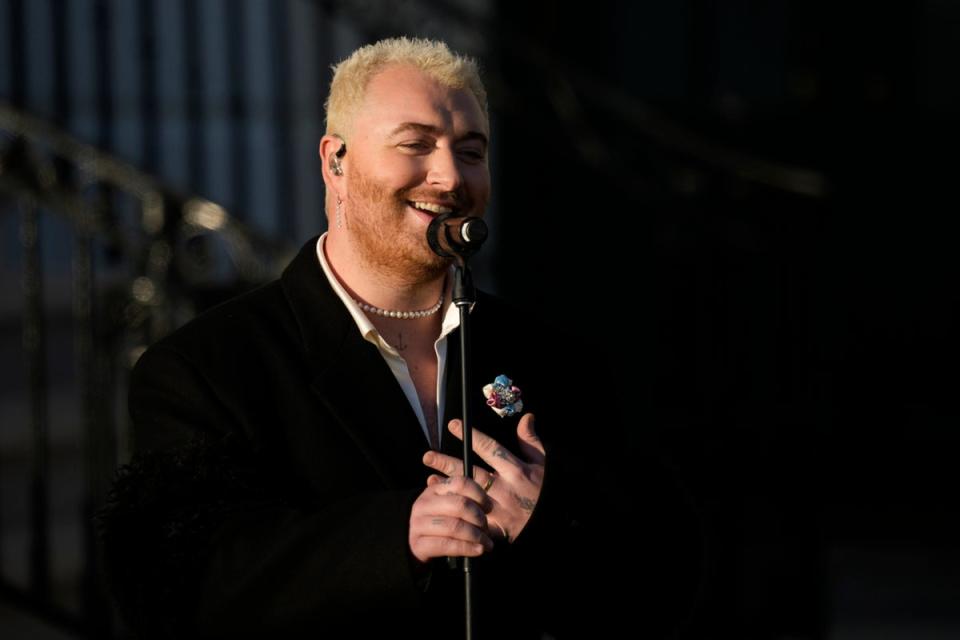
column 203, row 537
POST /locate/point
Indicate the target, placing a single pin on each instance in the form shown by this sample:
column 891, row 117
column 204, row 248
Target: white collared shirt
column 451, row 320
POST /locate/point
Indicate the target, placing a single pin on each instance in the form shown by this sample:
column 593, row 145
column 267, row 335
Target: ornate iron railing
column 143, row 260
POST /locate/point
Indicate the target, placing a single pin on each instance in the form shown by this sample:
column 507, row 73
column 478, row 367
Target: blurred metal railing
column 144, row 260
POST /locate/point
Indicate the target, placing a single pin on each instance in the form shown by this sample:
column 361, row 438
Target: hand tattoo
column 525, row 503
column 500, row 452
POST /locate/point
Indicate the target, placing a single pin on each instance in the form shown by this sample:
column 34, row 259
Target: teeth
column 433, row 208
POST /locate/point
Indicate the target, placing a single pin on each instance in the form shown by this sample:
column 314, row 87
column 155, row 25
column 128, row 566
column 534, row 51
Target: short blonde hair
column 351, row 76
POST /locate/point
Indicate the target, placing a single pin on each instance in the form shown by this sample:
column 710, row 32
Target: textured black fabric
column 278, row 459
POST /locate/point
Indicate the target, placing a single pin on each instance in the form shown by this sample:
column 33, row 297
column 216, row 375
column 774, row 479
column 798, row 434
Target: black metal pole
column 464, row 296
column 459, row 237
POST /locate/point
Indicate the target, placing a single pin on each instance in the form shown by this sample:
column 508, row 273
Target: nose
column 444, row 171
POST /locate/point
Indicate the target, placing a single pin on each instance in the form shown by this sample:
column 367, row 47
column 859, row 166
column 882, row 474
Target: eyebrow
column 436, row 131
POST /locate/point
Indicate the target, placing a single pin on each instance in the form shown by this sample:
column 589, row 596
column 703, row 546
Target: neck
column 386, row 290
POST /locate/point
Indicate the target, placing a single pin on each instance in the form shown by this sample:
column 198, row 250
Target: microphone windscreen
column 452, row 237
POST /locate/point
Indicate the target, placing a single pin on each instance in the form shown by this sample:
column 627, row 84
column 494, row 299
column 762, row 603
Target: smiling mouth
column 431, row 208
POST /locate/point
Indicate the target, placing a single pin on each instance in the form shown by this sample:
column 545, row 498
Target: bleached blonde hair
column 351, row 75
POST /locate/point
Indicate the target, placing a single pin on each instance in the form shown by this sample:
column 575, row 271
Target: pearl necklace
column 402, row 315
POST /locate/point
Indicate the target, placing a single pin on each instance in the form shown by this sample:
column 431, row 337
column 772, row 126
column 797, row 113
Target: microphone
column 456, row 237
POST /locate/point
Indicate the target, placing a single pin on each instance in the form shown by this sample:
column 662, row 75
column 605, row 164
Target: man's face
column 417, row 149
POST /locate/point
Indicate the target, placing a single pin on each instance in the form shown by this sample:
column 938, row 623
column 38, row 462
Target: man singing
column 296, row 470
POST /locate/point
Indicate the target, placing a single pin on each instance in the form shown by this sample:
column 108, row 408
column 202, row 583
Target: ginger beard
column 385, row 234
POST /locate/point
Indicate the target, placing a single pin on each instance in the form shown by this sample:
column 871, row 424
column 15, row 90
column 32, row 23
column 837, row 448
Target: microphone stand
column 464, row 295
column 459, row 241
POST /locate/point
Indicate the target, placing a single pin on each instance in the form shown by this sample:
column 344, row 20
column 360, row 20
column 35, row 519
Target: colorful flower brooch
column 503, row 397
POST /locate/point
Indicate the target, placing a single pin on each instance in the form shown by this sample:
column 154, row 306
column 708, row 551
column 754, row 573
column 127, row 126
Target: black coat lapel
column 453, row 402
column 489, row 359
column 352, row 379
column 363, row 395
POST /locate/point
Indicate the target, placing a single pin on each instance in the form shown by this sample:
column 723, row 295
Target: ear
column 330, row 145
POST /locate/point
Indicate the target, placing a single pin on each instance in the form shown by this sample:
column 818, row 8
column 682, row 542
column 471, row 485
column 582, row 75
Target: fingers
column 453, row 469
column 530, row 444
column 447, row 524
column 489, row 450
column 480, row 474
column 453, row 528
column 516, row 481
column 426, row 547
column 454, row 505
column 447, row 465
column 458, row 485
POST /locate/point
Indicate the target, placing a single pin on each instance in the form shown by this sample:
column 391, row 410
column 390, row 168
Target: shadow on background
column 746, row 204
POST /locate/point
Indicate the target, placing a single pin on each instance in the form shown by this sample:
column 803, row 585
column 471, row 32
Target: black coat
column 278, row 459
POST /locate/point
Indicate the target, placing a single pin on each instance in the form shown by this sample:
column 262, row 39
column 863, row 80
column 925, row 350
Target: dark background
column 793, row 350
column 748, row 205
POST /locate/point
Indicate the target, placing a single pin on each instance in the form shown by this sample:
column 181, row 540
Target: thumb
column 530, row 443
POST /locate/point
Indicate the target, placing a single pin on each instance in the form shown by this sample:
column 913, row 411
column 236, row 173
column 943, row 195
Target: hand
column 513, row 488
column 449, row 519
